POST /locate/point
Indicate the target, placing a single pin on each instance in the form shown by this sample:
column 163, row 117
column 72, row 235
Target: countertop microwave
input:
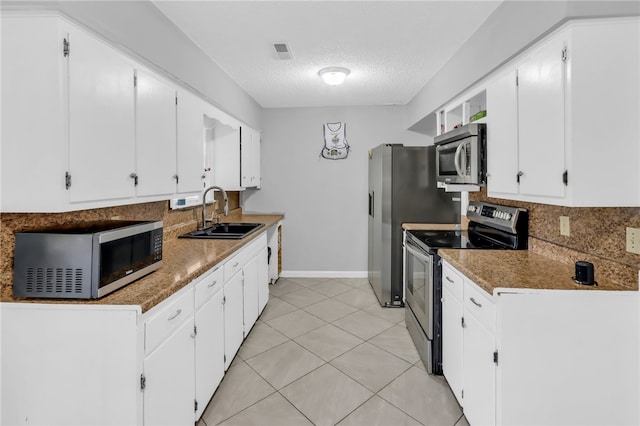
column 461, row 155
column 86, row 260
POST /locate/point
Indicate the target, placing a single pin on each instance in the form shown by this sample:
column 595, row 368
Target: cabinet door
column 452, row 342
column 227, row 158
column 190, row 142
column 246, row 166
column 255, row 159
column 479, row 373
column 502, row 135
column 170, row 381
column 33, row 120
column 263, row 278
column 249, row 157
column 209, row 350
column 155, row 135
column 233, row 318
column 250, row 288
column 541, row 119
column 101, row 120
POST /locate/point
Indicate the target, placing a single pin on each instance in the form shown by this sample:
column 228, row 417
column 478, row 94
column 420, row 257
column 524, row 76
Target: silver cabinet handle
column 449, row 279
column 475, row 303
column 212, row 284
column 236, row 264
column 178, row 312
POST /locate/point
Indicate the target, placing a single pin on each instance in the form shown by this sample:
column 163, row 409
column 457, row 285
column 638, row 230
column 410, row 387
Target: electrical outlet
column 633, row 240
column 564, row 226
column 115, row 217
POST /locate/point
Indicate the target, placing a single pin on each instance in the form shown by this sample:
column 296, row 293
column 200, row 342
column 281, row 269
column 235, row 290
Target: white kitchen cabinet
column 568, row 357
column 575, row 129
column 233, row 317
column 249, row 157
column 452, row 331
column 502, row 134
column 101, row 120
column 169, row 380
column 256, row 281
column 477, row 357
column 250, row 293
column 70, row 364
column 169, row 393
column 190, row 142
column 226, row 169
column 34, row 131
column 68, row 97
column 209, row 320
column 535, row 357
column 155, row 135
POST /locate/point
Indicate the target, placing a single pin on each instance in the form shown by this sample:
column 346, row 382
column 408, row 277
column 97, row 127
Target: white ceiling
column 391, row 47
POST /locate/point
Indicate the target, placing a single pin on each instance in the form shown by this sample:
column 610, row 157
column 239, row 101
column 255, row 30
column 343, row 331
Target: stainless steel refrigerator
column 402, row 189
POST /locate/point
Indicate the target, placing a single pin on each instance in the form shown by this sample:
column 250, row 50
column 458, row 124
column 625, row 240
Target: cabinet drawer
column 452, row 280
column 233, row 265
column 208, row 285
column 480, row 304
column 167, row 320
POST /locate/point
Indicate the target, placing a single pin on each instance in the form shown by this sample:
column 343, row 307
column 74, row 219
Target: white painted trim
column 324, row 274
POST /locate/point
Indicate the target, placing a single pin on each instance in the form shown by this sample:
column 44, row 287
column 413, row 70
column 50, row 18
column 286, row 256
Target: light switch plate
column 564, row 226
column 633, row 240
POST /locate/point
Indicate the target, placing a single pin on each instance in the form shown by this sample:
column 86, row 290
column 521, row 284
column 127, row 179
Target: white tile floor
column 325, row 353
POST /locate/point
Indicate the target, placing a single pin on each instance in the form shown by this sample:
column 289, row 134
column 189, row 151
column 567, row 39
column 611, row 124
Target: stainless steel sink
column 225, row 231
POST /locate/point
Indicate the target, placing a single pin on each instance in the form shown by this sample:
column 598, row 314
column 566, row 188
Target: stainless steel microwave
column 85, row 261
column 461, row 155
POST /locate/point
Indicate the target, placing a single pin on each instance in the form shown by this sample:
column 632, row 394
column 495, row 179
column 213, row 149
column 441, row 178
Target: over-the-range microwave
column 86, row 260
column 461, row 155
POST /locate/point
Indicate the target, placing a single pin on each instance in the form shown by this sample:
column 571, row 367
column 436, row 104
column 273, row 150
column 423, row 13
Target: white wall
column 324, row 201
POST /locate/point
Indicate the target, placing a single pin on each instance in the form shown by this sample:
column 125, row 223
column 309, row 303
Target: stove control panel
column 503, row 217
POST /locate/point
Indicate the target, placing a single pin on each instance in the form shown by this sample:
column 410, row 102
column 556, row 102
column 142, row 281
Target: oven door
column 419, row 286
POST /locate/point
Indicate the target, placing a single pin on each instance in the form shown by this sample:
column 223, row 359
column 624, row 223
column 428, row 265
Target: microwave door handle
column 456, row 160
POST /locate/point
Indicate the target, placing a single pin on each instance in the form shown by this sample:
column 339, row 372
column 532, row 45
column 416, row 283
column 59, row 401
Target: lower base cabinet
column 542, row 357
column 65, row 364
column 168, row 393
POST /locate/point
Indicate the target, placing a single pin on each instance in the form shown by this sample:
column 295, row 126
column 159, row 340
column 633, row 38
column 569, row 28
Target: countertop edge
column 147, row 293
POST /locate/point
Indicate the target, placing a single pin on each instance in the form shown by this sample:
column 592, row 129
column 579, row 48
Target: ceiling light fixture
column 334, row 75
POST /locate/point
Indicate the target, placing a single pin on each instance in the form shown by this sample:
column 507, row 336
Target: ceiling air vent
column 283, row 51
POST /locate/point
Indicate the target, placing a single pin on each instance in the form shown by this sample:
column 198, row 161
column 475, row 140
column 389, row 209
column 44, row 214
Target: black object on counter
column 584, row 273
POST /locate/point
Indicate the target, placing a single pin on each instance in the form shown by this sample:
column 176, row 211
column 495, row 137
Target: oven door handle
column 418, row 253
column 460, row 168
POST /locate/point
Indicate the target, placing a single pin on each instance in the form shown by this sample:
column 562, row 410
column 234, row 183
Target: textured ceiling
column 391, row 47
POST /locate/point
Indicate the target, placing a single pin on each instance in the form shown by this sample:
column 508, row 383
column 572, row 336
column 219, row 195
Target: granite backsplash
column 175, row 222
column 597, row 235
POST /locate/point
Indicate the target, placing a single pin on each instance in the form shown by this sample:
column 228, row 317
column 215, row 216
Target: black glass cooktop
column 432, row 240
column 442, row 239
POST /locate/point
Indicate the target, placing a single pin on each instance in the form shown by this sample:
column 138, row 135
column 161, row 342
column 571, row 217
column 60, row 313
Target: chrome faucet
column 204, row 205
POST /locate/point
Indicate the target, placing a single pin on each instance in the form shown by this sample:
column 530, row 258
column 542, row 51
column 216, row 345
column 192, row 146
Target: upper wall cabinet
column 564, row 119
column 85, row 126
column 101, row 119
column 34, row 107
column 155, row 135
column 191, row 132
column 234, row 155
column 249, row 157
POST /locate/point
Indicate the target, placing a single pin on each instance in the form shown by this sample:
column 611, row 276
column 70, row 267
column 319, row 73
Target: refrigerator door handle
column 371, row 194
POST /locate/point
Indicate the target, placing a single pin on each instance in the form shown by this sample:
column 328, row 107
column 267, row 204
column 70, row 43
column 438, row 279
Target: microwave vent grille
column 53, row 281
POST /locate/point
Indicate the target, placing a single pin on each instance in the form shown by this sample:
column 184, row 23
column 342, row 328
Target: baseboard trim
column 324, row 274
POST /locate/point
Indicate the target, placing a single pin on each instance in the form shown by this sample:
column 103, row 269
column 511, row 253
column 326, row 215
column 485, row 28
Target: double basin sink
column 225, row 231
